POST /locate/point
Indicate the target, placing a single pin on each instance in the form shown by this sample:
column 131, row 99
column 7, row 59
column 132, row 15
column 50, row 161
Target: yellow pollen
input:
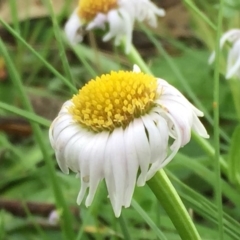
column 114, row 100
column 88, row 9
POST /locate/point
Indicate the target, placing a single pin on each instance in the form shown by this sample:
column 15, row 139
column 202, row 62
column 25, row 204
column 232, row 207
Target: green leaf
column 234, row 157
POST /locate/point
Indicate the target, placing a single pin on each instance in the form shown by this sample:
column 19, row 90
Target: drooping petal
column 231, row 36
column 84, row 152
column 116, row 25
column 199, row 128
column 154, row 138
column 142, row 148
column 120, row 25
column 96, row 160
column 73, row 28
column 175, row 146
column 132, row 164
column 233, row 61
column 115, row 169
column 98, row 22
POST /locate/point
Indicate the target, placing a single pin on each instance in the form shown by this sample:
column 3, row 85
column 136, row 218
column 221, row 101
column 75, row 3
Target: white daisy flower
column 233, row 60
column 120, row 124
column 119, row 15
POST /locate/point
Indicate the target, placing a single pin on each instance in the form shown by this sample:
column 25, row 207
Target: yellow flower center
column 88, row 9
column 114, row 100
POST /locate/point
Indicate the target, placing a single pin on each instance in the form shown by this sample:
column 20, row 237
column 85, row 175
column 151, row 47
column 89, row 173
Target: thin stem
column 148, row 220
column 218, row 187
column 171, row 202
column 135, row 58
column 28, row 115
column 235, row 88
column 124, row 227
column 200, row 14
column 58, row 36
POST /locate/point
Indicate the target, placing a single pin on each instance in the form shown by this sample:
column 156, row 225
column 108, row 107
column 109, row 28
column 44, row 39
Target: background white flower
column 120, row 16
column 118, row 124
column 233, row 59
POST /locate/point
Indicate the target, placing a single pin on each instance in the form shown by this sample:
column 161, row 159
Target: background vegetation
column 37, row 69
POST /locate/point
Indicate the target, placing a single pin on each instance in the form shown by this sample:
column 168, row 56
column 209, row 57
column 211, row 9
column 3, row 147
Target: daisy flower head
column 117, row 17
column 119, row 127
column 233, row 60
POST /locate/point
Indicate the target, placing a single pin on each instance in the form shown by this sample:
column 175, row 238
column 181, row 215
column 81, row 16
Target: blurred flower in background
column 117, row 17
column 117, row 124
column 233, row 60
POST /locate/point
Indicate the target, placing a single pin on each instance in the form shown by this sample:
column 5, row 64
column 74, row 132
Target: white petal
column 129, row 22
column 115, row 169
column 183, row 117
column 60, row 144
column 142, row 149
column 84, row 164
column 233, row 61
column 98, row 22
column 177, row 144
column 154, row 138
column 96, row 160
column 231, row 35
column 132, row 164
column 199, row 128
column 136, row 68
column 72, row 28
column 72, row 149
column 116, row 25
column 120, row 25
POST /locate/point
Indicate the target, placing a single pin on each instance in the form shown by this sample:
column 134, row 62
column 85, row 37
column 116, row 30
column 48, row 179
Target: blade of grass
column 208, row 176
column 148, row 220
column 28, row 115
column 36, row 54
column 124, row 227
column 58, row 36
column 191, row 5
column 204, row 207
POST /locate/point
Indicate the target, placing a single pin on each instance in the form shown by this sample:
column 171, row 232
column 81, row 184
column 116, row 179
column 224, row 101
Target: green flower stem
column 235, row 88
column 135, row 58
column 191, row 5
column 217, row 166
column 171, row 202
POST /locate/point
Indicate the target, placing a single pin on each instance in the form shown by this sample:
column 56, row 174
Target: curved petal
column 142, row 148
column 115, row 169
column 199, row 128
column 154, row 137
column 233, row 61
column 84, row 151
column 175, row 147
column 96, row 160
column 73, row 27
column 98, row 22
column 116, row 25
column 231, row 36
column 132, row 164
